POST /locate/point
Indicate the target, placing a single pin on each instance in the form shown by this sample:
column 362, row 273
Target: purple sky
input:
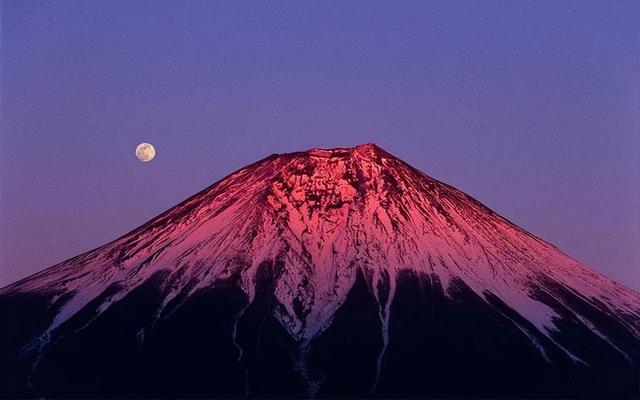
column 531, row 107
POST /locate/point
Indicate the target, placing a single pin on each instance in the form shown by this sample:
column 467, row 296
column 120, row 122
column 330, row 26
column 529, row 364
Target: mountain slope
column 325, row 273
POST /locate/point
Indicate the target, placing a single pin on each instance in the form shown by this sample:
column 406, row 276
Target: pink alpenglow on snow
column 335, row 272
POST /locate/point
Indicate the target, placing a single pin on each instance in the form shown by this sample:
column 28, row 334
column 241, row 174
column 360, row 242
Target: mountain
column 326, row 273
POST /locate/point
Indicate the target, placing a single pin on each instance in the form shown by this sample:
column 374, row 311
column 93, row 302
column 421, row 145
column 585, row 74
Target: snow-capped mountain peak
column 312, row 223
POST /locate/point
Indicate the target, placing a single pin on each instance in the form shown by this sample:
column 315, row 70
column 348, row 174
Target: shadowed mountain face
column 338, row 273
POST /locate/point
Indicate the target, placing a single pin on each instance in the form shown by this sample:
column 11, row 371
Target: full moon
column 145, row 152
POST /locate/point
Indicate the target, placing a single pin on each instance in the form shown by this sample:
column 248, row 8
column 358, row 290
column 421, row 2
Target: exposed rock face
column 325, row 273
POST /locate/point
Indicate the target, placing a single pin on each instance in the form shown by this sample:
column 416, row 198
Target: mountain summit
column 324, row 273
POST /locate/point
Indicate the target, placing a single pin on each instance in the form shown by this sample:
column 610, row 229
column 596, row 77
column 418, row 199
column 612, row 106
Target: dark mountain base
column 215, row 344
column 464, row 347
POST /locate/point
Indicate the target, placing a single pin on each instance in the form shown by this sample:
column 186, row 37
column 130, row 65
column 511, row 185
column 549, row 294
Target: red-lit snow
column 325, row 214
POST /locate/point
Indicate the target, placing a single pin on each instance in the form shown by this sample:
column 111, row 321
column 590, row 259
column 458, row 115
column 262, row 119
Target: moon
column 145, row 152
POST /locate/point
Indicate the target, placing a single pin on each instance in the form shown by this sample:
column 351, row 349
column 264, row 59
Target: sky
column 530, row 107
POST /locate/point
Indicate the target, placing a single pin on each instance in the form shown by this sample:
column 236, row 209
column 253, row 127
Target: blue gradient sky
column 530, row 107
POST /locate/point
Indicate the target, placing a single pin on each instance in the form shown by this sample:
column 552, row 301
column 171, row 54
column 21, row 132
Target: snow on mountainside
column 324, row 215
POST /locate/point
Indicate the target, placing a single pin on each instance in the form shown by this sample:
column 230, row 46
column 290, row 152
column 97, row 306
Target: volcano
column 322, row 274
